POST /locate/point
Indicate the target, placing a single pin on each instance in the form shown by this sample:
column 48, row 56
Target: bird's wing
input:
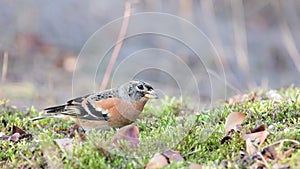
column 89, row 107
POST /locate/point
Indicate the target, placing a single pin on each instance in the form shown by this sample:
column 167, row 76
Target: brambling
column 111, row 108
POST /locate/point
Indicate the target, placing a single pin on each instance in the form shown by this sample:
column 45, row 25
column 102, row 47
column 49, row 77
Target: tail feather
column 52, row 112
column 41, row 117
column 61, row 111
column 56, row 109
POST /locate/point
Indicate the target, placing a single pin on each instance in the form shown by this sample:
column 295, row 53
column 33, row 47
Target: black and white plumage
column 115, row 107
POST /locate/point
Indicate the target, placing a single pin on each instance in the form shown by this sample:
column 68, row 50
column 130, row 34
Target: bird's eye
column 141, row 87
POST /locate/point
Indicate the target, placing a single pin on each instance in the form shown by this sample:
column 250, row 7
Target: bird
column 111, row 108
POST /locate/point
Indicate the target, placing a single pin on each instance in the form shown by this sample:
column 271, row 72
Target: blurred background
column 256, row 42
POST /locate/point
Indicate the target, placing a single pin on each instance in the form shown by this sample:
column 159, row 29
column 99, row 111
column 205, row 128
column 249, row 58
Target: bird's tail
column 41, row 117
column 55, row 109
column 51, row 112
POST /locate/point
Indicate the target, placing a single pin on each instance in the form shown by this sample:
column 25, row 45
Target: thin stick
column 117, row 48
column 284, row 140
column 4, row 66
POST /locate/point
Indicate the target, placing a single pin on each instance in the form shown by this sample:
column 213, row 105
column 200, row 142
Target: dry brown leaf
column 17, row 134
column 250, row 148
column 258, row 129
column 172, row 155
column 157, row 161
column 270, row 153
column 259, row 136
column 233, row 120
column 129, row 133
column 195, row 166
column 16, row 129
column 65, row 144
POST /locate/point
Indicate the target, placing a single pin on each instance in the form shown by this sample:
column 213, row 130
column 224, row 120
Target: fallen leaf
column 172, row 155
column 250, row 148
column 258, row 129
column 157, row 161
column 259, row 136
column 233, row 120
column 195, row 166
column 17, row 134
column 65, row 144
column 16, row 129
column 129, row 133
column 269, row 153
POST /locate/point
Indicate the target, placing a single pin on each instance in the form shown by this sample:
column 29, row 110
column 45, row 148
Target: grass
column 170, row 124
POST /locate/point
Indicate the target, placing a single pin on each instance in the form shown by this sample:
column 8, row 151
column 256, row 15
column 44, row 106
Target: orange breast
column 121, row 113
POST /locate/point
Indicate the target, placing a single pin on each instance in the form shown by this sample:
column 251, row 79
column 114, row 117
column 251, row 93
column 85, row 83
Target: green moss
column 169, row 123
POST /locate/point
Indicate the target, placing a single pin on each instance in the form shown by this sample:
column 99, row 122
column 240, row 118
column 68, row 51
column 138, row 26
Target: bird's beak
column 151, row 95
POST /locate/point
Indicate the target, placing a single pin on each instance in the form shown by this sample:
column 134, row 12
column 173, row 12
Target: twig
column 284, row 140
column 118, row 46
column 4, row 66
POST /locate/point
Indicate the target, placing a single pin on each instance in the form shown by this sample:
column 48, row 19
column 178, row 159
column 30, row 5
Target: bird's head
column 138, row 90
